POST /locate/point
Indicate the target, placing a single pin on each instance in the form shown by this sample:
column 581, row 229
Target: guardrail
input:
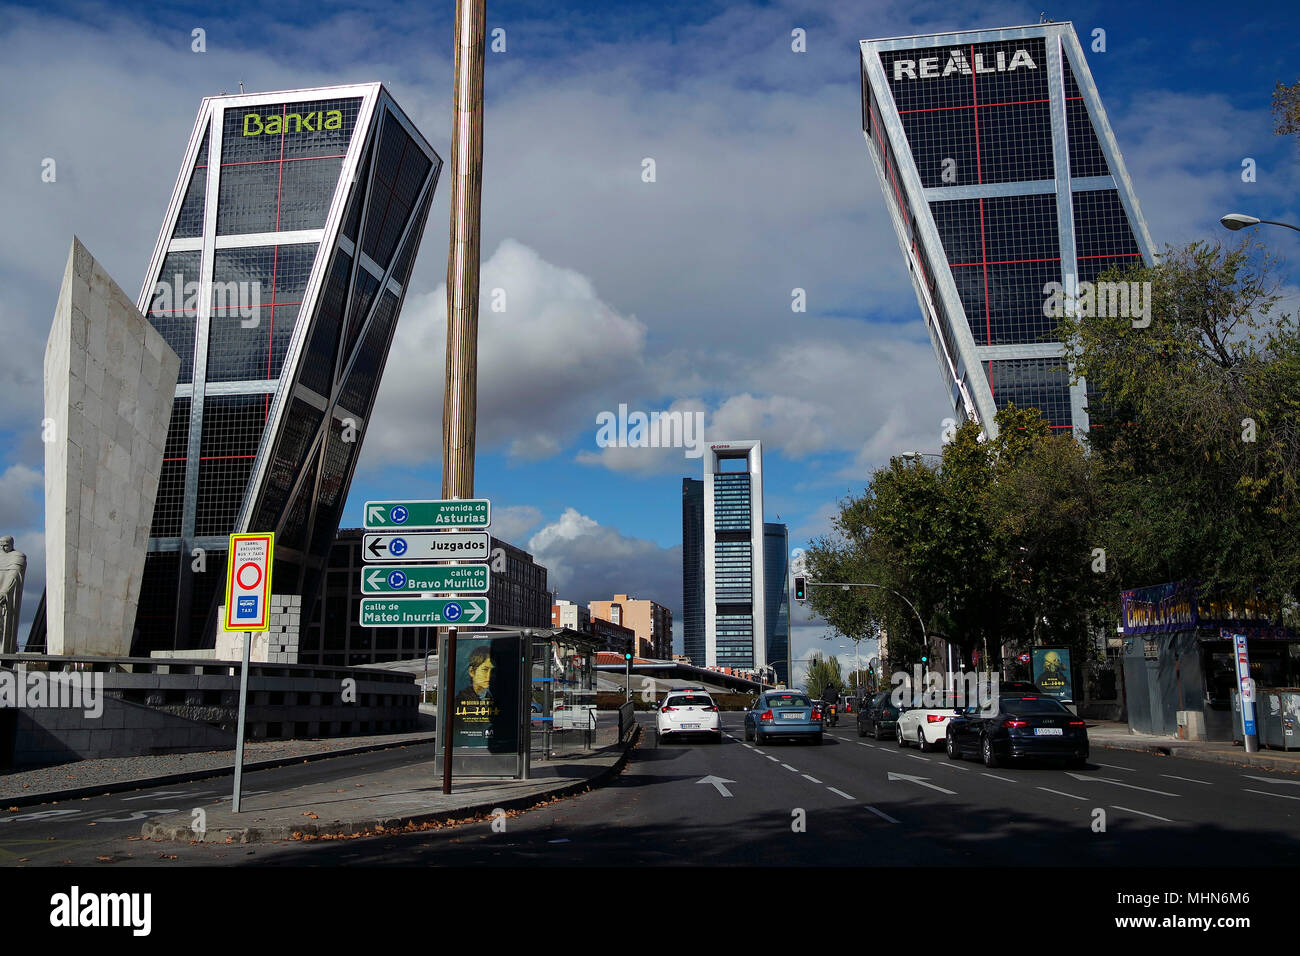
column 626, row 720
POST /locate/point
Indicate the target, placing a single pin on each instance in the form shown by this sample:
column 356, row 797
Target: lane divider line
column 1269, row 794
column 1141, row 813
column 810, row 777
column 1114, row 767
column 1061, row 793
column 882, row 815
column 840, row 792
column 996, row 777
column 788, row 767
column 771, row 758
column 1205, row 783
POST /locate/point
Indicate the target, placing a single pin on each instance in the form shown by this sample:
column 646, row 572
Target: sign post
column 248, row 596
column 1249, row 734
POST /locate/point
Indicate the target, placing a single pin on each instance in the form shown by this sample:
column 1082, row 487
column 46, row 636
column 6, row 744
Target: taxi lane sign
column 423, row 611
column 417, row 578
column 430, row 546
column 248, row 581
column 452, row 514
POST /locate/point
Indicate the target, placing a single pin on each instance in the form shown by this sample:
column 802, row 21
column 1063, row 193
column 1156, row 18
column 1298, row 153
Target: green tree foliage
column 823, row 676
column 1286, row 108
column 1196, row 456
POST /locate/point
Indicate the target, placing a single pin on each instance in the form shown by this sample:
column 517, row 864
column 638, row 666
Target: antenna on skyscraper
column 241, row 86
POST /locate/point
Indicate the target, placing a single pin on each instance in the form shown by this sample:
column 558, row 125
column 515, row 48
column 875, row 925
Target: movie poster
column 1052, row 672
column 486, row 689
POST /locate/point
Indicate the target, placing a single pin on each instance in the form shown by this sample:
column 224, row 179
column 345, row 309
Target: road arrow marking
column 1085, row 778
column 1293, row 783
column 717, row 782
column 919, row 780
column 375, row 515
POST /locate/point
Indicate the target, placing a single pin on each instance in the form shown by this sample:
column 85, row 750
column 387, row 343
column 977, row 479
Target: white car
column 688, row 712
column 927, row 727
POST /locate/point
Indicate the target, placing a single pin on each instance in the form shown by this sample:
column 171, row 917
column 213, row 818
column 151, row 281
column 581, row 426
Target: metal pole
column 461, row 397
column 448, row 708
column 239, row 732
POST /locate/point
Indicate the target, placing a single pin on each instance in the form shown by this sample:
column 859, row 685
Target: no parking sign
column 248, row 581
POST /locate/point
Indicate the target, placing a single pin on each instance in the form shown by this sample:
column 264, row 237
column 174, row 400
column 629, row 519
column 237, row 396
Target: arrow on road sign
column 921, row 780
column 717, row 782
column 375, row 547
column 375, row 515
column 1118, row 783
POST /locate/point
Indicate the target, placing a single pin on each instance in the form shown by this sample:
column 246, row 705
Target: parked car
column 783, row 713
column 877, row 716
column 686, row 713
column 1024, row 726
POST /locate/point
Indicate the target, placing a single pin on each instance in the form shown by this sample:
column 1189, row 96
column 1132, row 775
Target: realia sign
column 927, row 68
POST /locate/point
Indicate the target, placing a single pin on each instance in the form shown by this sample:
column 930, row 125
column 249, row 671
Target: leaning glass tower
column 278, row 278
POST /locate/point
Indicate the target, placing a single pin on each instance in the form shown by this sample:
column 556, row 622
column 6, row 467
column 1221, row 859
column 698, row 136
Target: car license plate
column 690, row 726
column 792, row 716
column 1048, row 732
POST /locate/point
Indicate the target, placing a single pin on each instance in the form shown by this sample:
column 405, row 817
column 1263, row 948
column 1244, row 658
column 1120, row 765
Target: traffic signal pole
column 803, row 582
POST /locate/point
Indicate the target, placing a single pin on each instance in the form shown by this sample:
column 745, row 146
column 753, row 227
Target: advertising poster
column 485, row 712
column 1052, row 672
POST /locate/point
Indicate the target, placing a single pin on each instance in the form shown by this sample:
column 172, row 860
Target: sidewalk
column 372, row 802
column 1114, row 735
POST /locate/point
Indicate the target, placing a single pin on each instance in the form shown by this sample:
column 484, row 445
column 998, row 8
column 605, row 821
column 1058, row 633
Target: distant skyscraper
column 277, row 278
column 693, row 569
column 1001, row 175
column 735, row 606
column 776, row 570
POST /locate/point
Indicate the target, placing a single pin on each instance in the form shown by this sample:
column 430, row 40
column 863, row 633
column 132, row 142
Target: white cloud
column 22, row 492
column 512, row 522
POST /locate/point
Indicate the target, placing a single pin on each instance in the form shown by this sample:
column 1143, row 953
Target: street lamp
column 1237, row 220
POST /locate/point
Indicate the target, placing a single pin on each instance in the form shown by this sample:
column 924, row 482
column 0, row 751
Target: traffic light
column 800, row 588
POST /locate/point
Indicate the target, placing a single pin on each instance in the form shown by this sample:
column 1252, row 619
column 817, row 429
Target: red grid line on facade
column 1001, row 262
column 270, row 338
column 1112, row 255
column 291, row 159
column 973, row 106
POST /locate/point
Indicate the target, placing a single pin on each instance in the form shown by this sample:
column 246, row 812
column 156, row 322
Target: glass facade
column 1001, row 176
column 776, row 558
column 283, row 327
column 693, row 569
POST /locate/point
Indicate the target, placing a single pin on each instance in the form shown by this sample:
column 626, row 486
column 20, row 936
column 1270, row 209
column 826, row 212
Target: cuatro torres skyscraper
column 1001, row 176
column 278, row 278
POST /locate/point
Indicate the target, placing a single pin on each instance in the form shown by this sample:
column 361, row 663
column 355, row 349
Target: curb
column 1174, row 749
column 158, row 831
column 192, row 776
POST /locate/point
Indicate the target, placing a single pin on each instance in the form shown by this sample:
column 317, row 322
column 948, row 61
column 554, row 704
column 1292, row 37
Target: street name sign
column 453, row 514
column 430, row 546
column 248, row 582
column 417, row 578
column 423, row 611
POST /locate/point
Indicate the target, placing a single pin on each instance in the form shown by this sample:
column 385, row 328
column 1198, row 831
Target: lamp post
column 1238, row 220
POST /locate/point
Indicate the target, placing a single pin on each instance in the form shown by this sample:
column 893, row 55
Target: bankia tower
column 1001, row 175
column 278, row 278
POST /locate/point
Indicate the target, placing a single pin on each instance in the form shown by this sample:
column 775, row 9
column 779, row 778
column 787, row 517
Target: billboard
column 485, row 688
column 1051, row 669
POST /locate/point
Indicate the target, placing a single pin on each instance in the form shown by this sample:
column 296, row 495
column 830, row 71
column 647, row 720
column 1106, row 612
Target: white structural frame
column 752, row 451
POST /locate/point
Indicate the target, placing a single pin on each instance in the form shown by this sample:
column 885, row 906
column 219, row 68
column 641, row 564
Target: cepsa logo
column 958, row 63
column 276, row 124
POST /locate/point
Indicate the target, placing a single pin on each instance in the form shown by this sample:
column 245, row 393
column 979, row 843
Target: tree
column 1197, row 438
column 823, row 676
column 1286, row 108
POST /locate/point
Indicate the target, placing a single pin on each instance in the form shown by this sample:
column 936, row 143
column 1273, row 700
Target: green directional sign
column 423, row 611
column 415, row 578
column 427, row 515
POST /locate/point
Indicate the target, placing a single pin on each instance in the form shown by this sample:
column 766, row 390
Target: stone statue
column 13, row 568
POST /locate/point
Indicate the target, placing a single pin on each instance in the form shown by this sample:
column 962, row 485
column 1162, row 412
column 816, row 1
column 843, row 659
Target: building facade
column 613, row 636
column 776, row 572
column 735, row 606
column 277, row 278
column 517, row 597
column 1001, row 176
column 651, row 622
column 573, row 616
column 693, row 570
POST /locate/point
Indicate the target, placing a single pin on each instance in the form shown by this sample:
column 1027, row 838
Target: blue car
column 783, row 713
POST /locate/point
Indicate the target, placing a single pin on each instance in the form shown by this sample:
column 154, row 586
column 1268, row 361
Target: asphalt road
column 848, row 802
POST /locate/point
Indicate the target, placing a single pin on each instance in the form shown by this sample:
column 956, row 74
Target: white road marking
column 1268, row 793
column 840, row 792
column 920, row 780
column 1163, row 793
column 135, row 815
column 1142, row 814
column 1187, row 779
column 863, row 744
column 717, row 782
column 1061, row 793
column 917, row 757
column 810, row 777
column 1113, row 767
column 1294, row 783
column 159, row 794
column 747, row 746
column 883, row 816
column 788, row 767
column 996, row 777
column 771, row 758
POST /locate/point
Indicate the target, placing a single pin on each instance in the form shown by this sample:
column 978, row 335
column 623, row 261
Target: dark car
column 1012, row 687
column 878, row 716
column 1023, row 726
column 783, row 713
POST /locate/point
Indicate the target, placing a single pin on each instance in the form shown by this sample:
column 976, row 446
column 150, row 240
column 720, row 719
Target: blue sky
column 667, row 294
